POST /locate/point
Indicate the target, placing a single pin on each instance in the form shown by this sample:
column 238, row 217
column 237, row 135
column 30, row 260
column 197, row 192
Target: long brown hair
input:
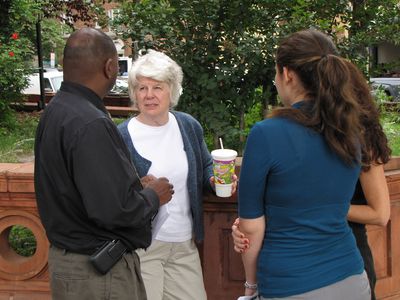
column 332, row 106
column 376, row 142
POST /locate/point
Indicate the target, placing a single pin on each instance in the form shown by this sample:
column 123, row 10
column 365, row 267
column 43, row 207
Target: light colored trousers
column 72, row 277
column 354, row 287
column 172, row 271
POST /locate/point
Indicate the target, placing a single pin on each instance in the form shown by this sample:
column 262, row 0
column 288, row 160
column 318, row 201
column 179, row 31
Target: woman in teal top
column 298, row 175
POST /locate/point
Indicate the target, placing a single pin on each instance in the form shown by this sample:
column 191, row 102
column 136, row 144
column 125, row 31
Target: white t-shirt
column 163, row 146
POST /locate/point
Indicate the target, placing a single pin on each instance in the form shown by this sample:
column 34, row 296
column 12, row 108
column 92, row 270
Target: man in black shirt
column 88, row 192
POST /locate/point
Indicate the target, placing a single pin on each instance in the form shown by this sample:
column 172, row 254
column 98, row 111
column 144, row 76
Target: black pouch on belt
column 107, row 256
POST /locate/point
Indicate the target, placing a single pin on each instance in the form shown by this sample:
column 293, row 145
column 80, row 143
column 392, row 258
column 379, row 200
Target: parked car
column 390, row 85
column 52, row 81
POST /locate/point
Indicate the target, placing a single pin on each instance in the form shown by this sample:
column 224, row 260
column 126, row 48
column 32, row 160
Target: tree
column 354, row 25
column 226, row 47
column 372, row 23
column 223, row 55
column 72, row 11
column 18, row 36
column 53, row 38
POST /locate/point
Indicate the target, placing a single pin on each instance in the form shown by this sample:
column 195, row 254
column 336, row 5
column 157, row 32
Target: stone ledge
column 20, row 180
column 4, row 168
column 393, row 164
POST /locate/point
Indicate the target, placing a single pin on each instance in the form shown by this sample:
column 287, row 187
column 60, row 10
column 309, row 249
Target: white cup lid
column 223, row 154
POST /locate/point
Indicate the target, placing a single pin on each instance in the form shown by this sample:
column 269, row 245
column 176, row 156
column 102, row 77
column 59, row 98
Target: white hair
column 157, row 66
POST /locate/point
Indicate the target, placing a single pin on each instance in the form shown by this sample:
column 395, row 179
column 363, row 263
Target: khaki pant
column 73, row 277
column 172, row 271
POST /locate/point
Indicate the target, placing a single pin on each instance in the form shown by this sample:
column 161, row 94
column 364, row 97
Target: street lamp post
column 41, row 103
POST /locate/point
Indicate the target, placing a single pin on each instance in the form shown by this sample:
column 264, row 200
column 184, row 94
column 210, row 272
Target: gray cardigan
column 199, row 160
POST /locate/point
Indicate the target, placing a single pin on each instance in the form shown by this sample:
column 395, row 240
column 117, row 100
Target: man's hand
column 163, row 189
column 147, row 179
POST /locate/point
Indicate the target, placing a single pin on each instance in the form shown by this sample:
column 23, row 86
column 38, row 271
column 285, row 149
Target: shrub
column 13, row 74
column 16, row 22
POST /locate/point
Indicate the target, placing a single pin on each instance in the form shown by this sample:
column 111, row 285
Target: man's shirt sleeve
column 106, row 179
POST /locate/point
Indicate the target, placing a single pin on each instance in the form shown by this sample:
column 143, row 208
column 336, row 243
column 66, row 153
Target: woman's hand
column 240, row 242
column 234, row 183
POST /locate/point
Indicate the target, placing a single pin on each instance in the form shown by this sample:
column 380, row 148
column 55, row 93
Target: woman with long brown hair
column 370, row 203
column 298, row 175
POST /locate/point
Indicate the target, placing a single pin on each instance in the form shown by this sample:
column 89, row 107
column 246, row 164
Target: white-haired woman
column 169, row 143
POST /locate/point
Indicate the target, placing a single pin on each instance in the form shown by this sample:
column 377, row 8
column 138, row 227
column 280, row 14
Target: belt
column 65, row 251
column 119, row 247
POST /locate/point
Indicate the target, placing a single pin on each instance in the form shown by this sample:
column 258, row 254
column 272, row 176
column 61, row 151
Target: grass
column 391, row 126
column 17, row 139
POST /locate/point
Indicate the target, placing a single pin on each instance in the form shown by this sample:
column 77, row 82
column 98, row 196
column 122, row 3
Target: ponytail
column 376, row 142
column 337, row 108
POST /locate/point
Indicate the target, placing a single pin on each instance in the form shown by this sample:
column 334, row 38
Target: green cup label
column 223, row 171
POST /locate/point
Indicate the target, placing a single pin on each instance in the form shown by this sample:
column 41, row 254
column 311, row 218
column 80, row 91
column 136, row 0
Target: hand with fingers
column 163, row 189
column 147, row 179
column 240, row 242
column 234, row 183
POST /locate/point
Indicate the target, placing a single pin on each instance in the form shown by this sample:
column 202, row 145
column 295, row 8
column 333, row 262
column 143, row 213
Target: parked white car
column 52, row 82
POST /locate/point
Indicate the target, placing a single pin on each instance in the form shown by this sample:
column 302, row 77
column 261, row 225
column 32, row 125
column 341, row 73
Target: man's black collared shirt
column 87, row 190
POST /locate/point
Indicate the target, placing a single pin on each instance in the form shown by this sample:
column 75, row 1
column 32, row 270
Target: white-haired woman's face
column 153, row 101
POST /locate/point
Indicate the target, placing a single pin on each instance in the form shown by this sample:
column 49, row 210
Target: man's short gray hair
column 157, row 66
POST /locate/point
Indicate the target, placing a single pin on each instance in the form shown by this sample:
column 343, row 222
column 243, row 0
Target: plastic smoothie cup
column 223, row 168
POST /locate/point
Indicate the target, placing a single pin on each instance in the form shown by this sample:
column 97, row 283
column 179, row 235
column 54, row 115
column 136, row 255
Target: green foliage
column 15, row 53
column 381, row 98
column 390, row 118
column 226, row 47
column 18, row 40
column 223, row 57
column 53, row 38
column 391, row 126
column 118, row 121
column 69, row 12
column 22, row 240
column 371, row 23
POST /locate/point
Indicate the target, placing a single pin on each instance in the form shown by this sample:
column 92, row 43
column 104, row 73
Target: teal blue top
column 290, row 175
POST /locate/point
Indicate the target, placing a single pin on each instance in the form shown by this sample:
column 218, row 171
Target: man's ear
column 108, row 68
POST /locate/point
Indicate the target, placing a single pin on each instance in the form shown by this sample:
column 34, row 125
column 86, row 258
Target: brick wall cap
column 5, row 167
column 24, row 170
column 393, row 164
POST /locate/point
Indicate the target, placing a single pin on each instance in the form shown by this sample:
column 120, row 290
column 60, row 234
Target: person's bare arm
column 377, row 209
column 254, row 230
